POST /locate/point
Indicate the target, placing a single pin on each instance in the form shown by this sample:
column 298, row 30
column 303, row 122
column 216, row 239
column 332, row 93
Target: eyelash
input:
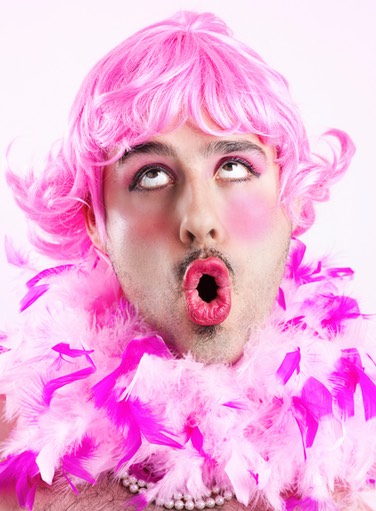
column 246, row 164
column 140, row 173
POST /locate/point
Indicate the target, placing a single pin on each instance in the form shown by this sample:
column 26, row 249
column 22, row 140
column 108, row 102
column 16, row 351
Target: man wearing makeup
column 182, row 353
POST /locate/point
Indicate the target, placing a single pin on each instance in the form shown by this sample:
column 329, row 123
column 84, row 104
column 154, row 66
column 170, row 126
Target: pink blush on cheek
column 249, row 217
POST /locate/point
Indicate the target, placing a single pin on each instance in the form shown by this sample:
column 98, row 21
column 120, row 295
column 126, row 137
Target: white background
column 326, row 49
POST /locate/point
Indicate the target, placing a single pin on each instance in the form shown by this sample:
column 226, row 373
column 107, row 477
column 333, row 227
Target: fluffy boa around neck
column 91, row 390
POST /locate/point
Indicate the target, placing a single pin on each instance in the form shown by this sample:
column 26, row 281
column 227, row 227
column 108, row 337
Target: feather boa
column 92, row 390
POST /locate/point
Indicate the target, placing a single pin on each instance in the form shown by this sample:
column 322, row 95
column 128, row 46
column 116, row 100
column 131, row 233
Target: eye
column 151, row 178
column 235, row 169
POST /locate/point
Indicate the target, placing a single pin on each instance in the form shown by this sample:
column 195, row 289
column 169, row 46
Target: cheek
column 250, row 216
column 141, row 226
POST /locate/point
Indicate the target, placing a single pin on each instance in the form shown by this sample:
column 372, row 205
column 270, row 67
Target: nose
column 200, row 225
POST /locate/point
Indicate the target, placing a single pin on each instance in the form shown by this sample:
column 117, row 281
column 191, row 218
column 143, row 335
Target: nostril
column 207, row 288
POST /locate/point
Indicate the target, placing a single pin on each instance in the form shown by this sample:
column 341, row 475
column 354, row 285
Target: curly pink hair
column 188, row 67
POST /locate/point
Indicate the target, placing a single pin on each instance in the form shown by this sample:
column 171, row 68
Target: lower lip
column 217, row 310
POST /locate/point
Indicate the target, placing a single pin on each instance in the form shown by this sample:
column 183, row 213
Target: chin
column 209, row 345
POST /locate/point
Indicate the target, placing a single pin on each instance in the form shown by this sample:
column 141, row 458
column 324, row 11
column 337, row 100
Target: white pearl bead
column 216, row 490
column 187, row 497
column 200, row 504
column 133, row 488
column 210, row 502
column 132, row 479
column 219, row 500
column 178, row 496
column 189, row 505
column 179, row 505
column 169, row 504
column 125, row 481
column 141, row 483
column 227, row 495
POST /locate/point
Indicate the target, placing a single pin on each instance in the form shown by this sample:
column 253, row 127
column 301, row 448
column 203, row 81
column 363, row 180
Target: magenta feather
column 339, row 273
column 137, row 503
column 32, row 295
column 289, row 364
column 315, row 402
column 193, row 433
column 345, row 379
column 281, row 300
column 73, row 463
column 35, row 291
column 317, row 398
column 236, row 405
column 295, row 322
column 132, row 355
column 65, row 349
column 307, row 424
column 137, row 420
column 306, row 504
column 255, row 476
column 53, row 385
column 49, row 272
column 22, row 471
column 368, row 394
column 337, row 310
column 302, row 274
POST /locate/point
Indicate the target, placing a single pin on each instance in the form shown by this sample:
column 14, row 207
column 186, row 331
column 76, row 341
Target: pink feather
column 14, row 256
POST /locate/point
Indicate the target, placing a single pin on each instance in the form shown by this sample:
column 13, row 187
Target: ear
column 92, row 228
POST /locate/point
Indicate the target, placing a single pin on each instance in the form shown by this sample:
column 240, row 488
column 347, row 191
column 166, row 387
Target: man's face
column 189, row 204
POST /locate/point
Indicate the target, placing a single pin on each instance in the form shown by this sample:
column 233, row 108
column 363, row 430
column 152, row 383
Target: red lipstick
column 207, row 291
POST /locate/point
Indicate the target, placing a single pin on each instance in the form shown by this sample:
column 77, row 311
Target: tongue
column 198, row 310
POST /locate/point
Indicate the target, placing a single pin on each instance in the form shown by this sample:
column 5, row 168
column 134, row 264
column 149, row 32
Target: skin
column 195, row 201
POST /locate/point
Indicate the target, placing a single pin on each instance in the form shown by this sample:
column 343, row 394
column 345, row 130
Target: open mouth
column 207, row 288
column 207, row 291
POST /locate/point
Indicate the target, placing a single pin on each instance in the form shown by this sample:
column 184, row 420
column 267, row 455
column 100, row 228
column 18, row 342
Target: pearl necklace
column 215, row 497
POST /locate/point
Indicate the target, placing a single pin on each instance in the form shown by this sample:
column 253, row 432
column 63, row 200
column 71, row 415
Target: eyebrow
column 212, row 148
column 232, row 146
column 150, row 148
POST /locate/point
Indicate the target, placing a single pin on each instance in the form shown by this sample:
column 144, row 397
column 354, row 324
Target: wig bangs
column 187, row 77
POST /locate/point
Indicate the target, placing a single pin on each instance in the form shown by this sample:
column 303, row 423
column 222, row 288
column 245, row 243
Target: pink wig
column 188, row 67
